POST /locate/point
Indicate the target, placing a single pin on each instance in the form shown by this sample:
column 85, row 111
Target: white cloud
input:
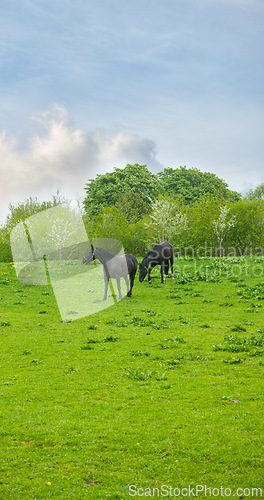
column 64, row 158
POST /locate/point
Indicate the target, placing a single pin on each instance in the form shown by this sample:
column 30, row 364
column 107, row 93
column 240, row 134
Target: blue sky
column 86, row 86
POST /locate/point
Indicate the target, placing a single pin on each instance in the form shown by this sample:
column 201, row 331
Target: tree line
column 194, row 210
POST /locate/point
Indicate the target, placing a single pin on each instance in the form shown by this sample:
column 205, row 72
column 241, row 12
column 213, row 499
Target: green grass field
column 165, row 388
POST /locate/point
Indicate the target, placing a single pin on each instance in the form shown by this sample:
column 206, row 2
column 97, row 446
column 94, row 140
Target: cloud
column 62, row 157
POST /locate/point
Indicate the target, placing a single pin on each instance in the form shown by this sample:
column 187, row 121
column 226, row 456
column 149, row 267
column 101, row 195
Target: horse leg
column 166, row 269
column 171, row 264
column 149, row 271
column 119, row 288
column 106, row 280
column 127, row 284
column 161, row 272
column 131, row 278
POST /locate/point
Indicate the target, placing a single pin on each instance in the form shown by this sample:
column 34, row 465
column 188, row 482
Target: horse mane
column 106, row 254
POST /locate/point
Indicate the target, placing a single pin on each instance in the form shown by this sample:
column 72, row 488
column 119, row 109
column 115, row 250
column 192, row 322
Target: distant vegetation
column 195, row 210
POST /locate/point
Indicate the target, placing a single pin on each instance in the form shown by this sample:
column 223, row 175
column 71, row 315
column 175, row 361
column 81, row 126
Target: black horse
column 115, row 266
column 161, row 254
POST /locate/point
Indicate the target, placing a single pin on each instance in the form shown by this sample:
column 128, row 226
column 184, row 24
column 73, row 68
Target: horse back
column 160, row 252
column 167, row 249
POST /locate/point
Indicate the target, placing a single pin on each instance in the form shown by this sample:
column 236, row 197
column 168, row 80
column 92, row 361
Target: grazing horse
column 115, row 266
column 161, row 254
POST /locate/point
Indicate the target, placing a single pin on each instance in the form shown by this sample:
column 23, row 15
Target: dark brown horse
column 161, row 254
column 115, row 266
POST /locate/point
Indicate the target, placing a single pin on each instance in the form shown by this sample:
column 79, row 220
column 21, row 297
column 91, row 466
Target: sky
column 88, row 86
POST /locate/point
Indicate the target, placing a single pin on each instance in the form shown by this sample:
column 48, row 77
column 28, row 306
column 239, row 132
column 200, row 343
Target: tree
column 110, row 224
column 19, row 212
column 166, row 220
column 257, row 193
column 133, row 206
column 248, row 233
column 107, row 189
column 191, row 184
column 60, row 234
column 200, row 235
column 222, row 225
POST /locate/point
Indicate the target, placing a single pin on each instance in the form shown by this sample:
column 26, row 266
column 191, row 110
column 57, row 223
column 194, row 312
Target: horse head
column 142, row 270
column 90, row 256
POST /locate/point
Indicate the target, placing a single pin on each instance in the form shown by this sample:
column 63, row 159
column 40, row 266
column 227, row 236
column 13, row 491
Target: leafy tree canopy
column 166, row 220
column 133, row 206
column 257, row 193
column 107, row 189
column 249, row 228
column 192, row 184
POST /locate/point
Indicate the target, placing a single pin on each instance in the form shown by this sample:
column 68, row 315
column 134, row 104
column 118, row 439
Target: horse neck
column 103, row 255
column 145, row 261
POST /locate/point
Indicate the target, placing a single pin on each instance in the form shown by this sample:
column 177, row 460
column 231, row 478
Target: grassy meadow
column 165, row 388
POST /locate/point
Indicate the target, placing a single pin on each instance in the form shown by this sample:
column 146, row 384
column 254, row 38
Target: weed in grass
column 239, row 344
column 92, row 341
column 193, row 357
column 164, row 346
column 250, row 310
column 92, row 327
column 176, row 340
column 111, row 338
column 183, row 321
column 142, row 322
column 238, row 328
column 139, row 353
column 5, row 323
column 150, row 312
column 232, row 361
column 174, row 361
column 174, row 295
column 87, row 346
column 137, row 374
column 161, row 378
column 70, row 370
column 116, row 322
column 227, row 399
